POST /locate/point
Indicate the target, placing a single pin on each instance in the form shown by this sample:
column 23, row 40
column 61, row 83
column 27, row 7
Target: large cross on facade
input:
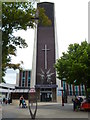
column 46, row 50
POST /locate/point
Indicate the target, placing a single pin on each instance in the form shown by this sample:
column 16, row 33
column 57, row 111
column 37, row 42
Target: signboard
column 32, row 95
column 46, row 86
column 32, row 90
column 32, row 102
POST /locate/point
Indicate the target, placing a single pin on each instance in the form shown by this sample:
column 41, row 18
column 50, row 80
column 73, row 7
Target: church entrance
column 45, row 95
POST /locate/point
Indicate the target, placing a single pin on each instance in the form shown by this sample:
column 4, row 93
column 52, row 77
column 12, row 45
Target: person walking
column 21, row 99
column 75, row 104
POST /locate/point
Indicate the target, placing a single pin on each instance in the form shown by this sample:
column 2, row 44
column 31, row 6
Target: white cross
column 45, row 55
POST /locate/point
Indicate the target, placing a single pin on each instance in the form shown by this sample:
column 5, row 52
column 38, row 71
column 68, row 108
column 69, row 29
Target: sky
column 72, row 27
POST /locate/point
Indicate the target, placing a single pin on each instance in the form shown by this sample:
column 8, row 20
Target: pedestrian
column 80, row 99
column 21, row 98
column 24, row 103
column 4, row 100
column 75, row 104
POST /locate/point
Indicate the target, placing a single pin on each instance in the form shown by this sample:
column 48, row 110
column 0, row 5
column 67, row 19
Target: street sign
column 32, row 102
column 32, row 90
column 32, row 95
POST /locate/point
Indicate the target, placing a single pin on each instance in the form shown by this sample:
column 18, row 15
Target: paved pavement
column 0, row 112
column 45, row 110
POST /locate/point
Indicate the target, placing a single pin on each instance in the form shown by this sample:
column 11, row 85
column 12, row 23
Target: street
column 45, row 110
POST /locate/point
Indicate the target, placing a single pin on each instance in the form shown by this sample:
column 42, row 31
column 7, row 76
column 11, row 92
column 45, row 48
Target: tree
column 75, row 64
column 17, row 16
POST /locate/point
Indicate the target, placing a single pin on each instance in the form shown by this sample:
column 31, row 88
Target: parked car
column 85, row 105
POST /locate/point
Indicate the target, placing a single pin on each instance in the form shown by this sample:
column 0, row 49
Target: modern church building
column 42, row 77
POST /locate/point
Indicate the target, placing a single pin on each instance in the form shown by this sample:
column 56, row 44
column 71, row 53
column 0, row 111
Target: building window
column 76, row 90
column 70, row 89
column 23, row 74
column 64, row 88
column 29, row 74
column 63, row 85
column 82, row 89
column 29, row 77
column 23, row 79
column 23, row 82
column 28, row 82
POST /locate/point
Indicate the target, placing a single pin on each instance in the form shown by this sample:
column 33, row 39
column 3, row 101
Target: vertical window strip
column 23, row 79
column 23, row 74
column 79, row 90
column 81, row 86
column 29, row 77
column 76, row 90
column 28, row 74
column 73, row 89
column 67, row 88
column 28, row 82
column 20, row 75
column 70, row 89
column 64, row 87
column 83, row 89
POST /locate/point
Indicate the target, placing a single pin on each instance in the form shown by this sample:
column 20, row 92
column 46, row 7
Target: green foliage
column 75, row 64
column 17, row 16
column 43, row 18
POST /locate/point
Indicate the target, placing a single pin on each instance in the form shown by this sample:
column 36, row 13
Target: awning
column 46, row 86
column 20, row 91
column 2, row 90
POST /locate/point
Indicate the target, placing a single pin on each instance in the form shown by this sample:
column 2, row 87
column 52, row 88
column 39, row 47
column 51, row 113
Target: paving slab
column 45, row 110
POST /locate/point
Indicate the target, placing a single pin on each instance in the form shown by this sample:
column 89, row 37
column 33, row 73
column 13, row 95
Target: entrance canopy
column 21, row 89
column 46, row 86
column 2, row 90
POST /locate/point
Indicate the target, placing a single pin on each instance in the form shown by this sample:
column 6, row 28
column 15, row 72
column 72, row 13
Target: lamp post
column 61, row 89
column 51, row 92
column 32, row 95
column 62, row 99
column 63, row 79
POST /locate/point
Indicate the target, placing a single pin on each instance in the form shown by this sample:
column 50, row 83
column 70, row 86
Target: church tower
column 43, row 76
column 89, row 22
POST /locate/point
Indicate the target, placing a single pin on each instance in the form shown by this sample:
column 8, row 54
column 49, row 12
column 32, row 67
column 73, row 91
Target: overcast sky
column 72, row 27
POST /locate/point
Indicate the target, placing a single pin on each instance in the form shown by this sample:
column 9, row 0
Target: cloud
column 11, row 76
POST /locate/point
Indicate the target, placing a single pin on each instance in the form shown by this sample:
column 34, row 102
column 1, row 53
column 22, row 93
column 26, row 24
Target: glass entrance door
column 46, row 97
